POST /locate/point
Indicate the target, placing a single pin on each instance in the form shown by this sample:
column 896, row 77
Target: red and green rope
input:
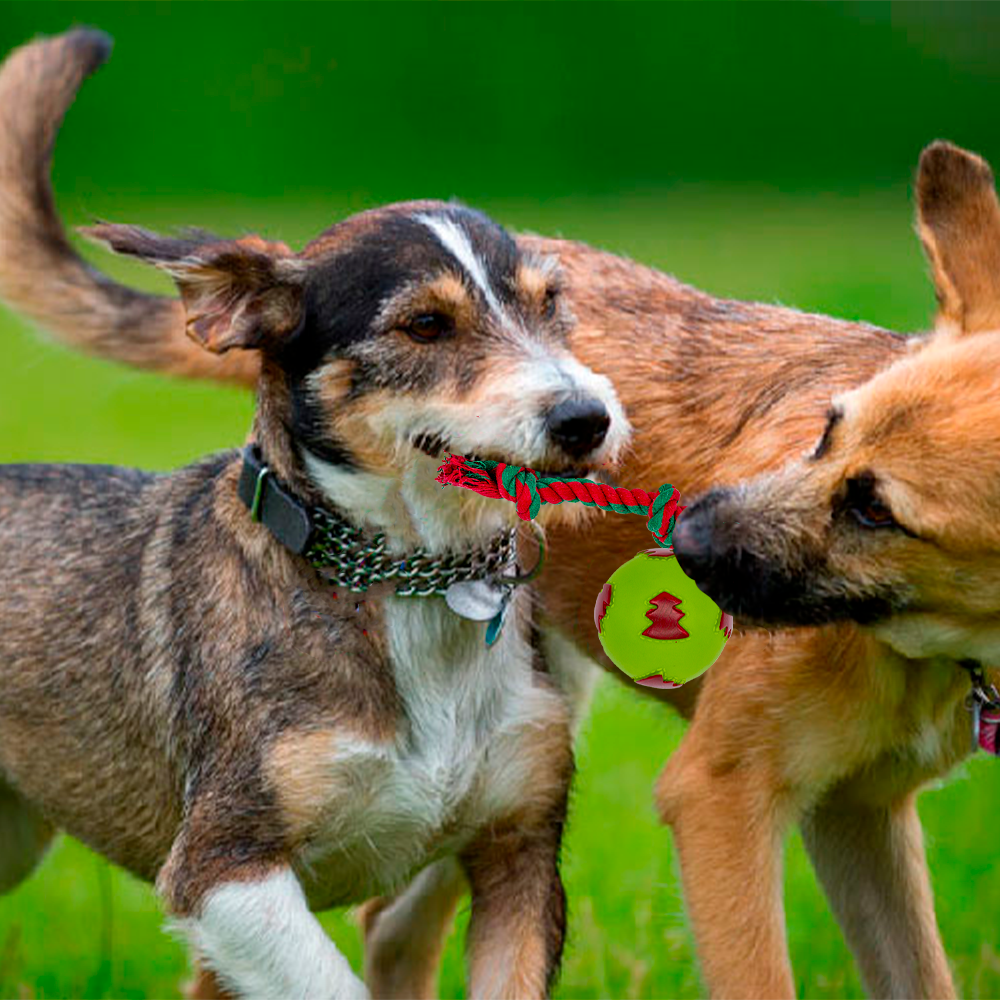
column 528, row 491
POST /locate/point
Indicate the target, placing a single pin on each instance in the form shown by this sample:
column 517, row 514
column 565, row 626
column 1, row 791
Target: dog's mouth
column 435, row 446
column 771, row 602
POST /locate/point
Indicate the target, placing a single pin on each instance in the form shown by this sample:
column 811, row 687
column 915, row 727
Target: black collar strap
column 283, row 514
column 342, row 552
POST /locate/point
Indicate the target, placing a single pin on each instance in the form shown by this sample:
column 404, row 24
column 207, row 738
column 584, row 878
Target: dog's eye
column 550, row 302
column 864, row 506
column 429, row 326
column 874, row 514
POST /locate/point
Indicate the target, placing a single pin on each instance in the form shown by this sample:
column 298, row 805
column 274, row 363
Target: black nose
column 578, row 426
column 694, row 538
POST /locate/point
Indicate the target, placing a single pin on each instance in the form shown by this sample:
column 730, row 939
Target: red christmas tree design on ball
column 666, row 617
column 601, row 607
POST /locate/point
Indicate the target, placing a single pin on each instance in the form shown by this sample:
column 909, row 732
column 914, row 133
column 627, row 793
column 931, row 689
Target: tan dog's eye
column 429, row 326
column 550, row 303
column 874, row 514
column 864, row 506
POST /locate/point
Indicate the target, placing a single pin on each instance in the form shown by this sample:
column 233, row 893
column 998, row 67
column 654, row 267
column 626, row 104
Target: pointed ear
column 243, row 293
column 958, row 219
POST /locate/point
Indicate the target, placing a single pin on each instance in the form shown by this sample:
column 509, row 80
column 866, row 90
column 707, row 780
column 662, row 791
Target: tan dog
column 881, row 540
column 832, row 725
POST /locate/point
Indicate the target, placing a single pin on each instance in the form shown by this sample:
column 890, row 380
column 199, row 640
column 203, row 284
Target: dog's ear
column 244, row 293
column 958, row 219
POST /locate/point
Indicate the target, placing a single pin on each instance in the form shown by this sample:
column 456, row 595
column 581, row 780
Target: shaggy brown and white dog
column 242, row 679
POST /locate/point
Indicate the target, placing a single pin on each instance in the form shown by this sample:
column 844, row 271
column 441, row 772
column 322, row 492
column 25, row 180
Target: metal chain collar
column 350, row 560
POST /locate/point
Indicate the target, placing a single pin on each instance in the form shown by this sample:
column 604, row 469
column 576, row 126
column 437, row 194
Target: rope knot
column 520, row 484
column 663, row 513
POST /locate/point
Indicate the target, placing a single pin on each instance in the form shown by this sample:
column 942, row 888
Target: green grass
column 78, row 928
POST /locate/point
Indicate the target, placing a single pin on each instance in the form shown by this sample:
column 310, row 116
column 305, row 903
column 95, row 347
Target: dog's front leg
column 252, row 927
column 518, row 921
column 870, row 860
column 405, row 934
column 728, row 829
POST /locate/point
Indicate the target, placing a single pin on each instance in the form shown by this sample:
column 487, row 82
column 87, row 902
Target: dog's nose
column 692, row 537
column 578, row 426
column 691, row 545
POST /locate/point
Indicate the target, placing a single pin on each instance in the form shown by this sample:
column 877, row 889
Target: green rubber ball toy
column 656, row 625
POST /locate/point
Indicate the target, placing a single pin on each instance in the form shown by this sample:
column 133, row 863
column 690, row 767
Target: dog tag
column 476, row 600
column 496, row 622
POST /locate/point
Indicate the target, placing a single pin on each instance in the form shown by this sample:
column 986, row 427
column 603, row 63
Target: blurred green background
column 757, row 150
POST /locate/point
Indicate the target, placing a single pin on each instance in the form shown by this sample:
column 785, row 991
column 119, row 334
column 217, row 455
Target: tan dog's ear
column 243, row 293
column 958, row 219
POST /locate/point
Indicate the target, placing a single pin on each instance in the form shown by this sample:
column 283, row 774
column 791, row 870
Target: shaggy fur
column 197, row 702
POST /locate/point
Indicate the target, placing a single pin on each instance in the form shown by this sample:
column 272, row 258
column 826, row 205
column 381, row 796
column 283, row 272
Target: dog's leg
column 728, row 829
column 575, row 673
column 870, row 860
column 253, row 929
column 405, row 934
column 518, row 921
column 24, row 838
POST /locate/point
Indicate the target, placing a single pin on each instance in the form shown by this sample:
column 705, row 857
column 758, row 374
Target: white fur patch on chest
column 458, row 760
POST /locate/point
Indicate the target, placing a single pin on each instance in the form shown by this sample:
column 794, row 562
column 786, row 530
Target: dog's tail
column 41, row 275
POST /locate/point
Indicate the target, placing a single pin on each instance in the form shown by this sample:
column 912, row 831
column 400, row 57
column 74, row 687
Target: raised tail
column 41, row 275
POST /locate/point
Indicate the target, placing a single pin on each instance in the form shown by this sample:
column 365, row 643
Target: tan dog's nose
column 704, row 543
column 692, row 537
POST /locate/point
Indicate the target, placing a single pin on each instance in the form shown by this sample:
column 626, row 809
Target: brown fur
column 298, row 768
column 205, row 985
column 518, row 921
column 826, row 725
column 405, row 936
column 959, row 226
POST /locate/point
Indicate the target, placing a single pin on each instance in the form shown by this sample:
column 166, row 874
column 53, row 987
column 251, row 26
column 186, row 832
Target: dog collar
column 983, row 703
column 348, row 558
